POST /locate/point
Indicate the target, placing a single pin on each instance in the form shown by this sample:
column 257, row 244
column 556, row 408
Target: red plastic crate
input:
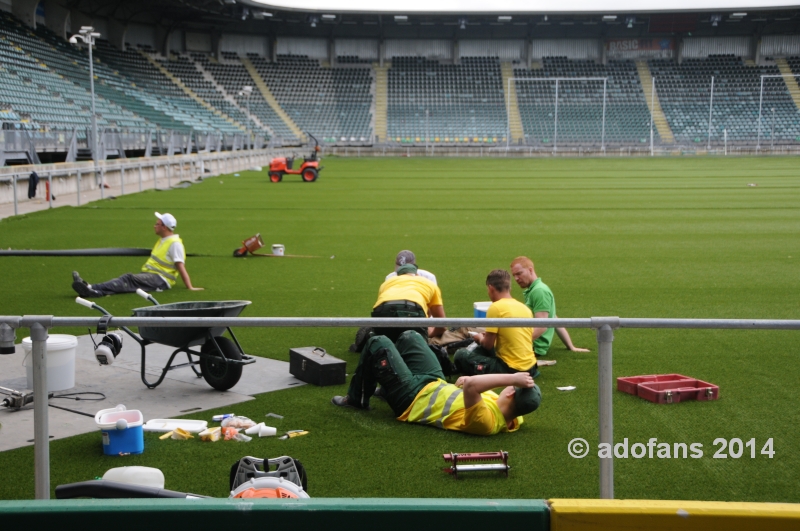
column 630, row 384
column 668, row 388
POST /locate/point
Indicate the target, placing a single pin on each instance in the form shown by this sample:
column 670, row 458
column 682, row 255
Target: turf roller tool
column 489, row 461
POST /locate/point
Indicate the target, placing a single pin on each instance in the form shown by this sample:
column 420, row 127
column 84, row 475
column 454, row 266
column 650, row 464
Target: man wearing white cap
column 160, row 272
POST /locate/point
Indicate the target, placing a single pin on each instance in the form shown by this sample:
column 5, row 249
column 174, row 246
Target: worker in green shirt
column 542, row 303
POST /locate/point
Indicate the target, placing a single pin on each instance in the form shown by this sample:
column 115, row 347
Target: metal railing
column 172, row 169
column 604, row 327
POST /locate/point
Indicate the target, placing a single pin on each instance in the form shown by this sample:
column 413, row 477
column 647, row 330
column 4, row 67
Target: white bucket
column 278, row 249
column 60, row 361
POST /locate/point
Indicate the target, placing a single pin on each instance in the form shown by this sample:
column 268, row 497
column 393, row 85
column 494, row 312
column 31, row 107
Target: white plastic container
column 60, row 361
column 136, row 475
column 278, row 249
column 479, row 309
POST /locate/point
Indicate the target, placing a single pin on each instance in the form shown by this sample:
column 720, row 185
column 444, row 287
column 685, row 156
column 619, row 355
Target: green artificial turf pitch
column 680, row 237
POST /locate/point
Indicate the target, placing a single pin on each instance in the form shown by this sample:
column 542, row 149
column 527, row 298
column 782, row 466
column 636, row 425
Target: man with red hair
column 542, row 303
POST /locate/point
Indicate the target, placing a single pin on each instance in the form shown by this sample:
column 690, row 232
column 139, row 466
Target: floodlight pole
column 760, row 102
column 87, row 35
column 710, row 110
column 555, row 124
column 603, row 134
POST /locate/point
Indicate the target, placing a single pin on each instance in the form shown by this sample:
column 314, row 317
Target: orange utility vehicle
column 309, row 170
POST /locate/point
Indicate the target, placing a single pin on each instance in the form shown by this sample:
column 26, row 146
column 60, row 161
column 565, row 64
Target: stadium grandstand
column 222, row 75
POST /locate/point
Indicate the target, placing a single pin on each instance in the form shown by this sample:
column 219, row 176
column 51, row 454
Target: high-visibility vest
column 159, row 263
column 441, row 401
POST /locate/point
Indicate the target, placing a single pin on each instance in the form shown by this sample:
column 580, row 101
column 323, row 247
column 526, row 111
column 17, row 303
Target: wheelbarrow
column 220, row 359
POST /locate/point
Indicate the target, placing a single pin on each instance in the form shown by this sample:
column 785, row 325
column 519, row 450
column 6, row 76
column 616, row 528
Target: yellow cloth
column 513, row 345
column 160, row 263
column 441, row 404
column 410, row 288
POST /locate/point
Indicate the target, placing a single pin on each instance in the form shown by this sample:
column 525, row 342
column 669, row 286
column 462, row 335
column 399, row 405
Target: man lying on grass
column 413, row 385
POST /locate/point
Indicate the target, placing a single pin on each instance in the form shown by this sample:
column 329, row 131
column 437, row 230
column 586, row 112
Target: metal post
column 555, row 123
column 605, row 382
column 41, row 430
column 122, row 180
column 140, row 177
column 508, row 115
column 603, row 135
column 14, row 179
column 652, row 111
column 89, row 42
column 760, row 102
column 78, row 179
column 49, row 190
column 772, row 132
column 710, row 110
column 102, row 181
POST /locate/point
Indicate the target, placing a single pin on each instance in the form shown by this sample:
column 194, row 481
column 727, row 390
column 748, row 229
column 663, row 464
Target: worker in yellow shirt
column 500, row 350
column 414, row 387
column 408, row 295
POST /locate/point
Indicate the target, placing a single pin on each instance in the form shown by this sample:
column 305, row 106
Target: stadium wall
column 780, row 45
column 313, row 48
column 362, row 48
column 506, row 50
column 700, row 47
column 243, row 44
column 441, row 49
column 570, row 48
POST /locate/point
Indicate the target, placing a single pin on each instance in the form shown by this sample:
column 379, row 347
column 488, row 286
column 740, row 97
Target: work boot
column 77, row 278
column 341, row 401
column 362, row 336
column 82, row 288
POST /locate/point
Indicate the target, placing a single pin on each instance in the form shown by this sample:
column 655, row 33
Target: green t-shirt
column 539, row 298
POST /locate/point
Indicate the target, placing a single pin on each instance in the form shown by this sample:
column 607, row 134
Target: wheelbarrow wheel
column 216, row 372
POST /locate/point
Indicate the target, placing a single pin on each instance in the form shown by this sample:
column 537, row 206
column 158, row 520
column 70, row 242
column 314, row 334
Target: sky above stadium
column 521, row 7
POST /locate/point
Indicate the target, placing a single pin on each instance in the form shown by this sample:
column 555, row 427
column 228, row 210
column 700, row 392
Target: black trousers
column 129, row 282
column 398, row 309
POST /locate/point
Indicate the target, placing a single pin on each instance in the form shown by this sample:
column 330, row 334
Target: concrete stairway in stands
column 659, row 120
column 510, row 95
column 790, row 80
column 264, row 89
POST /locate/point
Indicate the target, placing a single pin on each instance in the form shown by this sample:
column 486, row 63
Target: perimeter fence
column 604, row 326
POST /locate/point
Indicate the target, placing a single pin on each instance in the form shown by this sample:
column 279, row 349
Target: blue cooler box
column 479, row 308
column 122, row 430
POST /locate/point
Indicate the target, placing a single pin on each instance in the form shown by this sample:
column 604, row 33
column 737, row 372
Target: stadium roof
column 521, row 7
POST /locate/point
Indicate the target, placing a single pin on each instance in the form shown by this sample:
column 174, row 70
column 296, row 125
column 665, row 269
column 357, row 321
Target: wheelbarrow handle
column 143, row 294
column 84, row 302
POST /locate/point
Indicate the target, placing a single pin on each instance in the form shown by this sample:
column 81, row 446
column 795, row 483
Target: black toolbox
column 315, row 366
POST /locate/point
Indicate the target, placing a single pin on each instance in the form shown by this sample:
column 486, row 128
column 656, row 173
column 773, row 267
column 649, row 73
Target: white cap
column 168, row 220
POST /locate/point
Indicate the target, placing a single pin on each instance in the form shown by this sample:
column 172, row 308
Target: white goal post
column 557, row 81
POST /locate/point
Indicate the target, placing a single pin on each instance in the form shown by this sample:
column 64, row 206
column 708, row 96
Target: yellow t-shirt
column 410, row 288
column 513, row 345
column 483, row 418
